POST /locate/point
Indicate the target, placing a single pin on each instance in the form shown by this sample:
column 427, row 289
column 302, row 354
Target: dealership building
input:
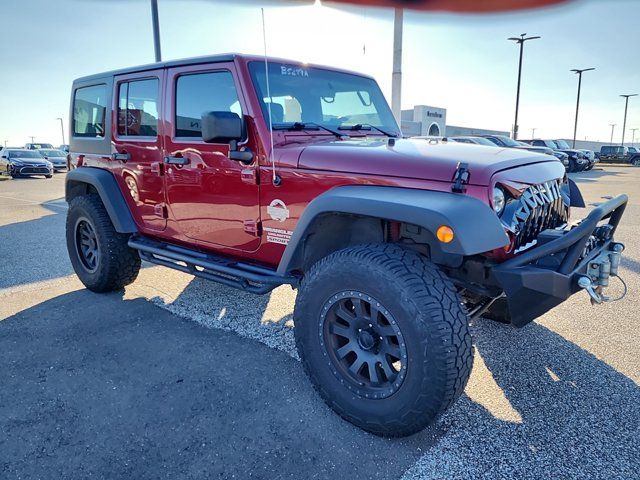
column 432, row 121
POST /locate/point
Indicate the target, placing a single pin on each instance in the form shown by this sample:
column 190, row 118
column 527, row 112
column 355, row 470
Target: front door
column 137, row 137
column 212, row 199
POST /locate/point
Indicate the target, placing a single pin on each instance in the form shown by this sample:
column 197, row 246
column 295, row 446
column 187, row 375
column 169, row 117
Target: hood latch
column 460, row 178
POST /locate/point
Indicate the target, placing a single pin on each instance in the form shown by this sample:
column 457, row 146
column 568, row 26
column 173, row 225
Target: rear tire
column 100, row 256
column 405, row 321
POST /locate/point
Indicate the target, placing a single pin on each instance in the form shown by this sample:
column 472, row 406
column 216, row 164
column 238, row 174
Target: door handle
column 176, row 160
column 123, row 157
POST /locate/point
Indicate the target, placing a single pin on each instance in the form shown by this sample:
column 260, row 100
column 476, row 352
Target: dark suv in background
column 619, row 154
column 578, row 160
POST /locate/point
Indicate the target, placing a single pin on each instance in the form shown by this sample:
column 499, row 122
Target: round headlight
column 498, row 200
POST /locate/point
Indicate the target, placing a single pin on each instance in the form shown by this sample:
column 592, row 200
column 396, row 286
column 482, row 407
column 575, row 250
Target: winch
column 599, row 270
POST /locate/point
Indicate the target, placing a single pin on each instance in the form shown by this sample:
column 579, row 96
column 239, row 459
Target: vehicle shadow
column 96, row 385
column 567, row 415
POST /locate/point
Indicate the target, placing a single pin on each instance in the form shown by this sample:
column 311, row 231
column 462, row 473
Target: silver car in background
column 57, row 157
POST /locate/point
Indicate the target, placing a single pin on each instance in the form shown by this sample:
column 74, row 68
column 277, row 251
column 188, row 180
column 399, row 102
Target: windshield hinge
column 460, row 178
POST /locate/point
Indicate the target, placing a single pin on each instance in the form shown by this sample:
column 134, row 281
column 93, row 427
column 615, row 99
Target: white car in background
column 57, row 157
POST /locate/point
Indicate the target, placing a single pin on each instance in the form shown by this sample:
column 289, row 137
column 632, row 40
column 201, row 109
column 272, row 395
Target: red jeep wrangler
column 256, row 173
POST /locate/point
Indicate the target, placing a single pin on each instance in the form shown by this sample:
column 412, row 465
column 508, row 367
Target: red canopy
column 469, row 6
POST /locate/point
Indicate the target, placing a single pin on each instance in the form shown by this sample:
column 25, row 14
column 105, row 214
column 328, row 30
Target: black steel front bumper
column 538, row 280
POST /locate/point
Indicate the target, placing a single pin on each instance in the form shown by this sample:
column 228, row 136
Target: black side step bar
column 244, row 276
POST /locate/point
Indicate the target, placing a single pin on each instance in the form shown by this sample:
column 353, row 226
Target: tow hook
column 600, row 269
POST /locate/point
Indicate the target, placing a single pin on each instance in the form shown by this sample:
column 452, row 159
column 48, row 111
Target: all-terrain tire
column 116, row 264
column 426, row 308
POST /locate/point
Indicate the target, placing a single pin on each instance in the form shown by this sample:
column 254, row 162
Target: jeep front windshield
column 300, row 95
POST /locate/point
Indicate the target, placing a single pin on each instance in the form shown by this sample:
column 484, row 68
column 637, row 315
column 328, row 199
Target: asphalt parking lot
column 180, row 378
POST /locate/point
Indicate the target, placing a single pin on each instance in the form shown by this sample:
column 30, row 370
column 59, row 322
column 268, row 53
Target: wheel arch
column 87, row 180
column 348, row 215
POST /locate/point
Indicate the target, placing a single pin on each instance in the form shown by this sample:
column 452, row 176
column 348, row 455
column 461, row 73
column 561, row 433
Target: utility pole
column 396, row 76
column 156, row 30
column 519, row 40
column 626, row 106
column 533, row 133
column 62, row 130
column 633, row 135
column 32, row 139
column 613, row 126
column 575, row 127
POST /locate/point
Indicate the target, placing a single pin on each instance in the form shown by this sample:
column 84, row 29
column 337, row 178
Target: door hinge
column 253, row 227
column 249, row 176
column 160, row 210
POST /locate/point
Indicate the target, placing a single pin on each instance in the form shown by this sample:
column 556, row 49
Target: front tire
column 384, row 337
column 100, row 256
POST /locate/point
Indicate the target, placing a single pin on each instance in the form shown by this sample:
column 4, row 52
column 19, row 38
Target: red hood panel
column 416, row 158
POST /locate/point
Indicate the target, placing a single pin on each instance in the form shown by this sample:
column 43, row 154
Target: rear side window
column 138, row 108
column 203, row 92
column 89, row 109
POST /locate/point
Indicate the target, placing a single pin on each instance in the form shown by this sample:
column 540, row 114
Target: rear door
column 137, row 137
column 213, row 199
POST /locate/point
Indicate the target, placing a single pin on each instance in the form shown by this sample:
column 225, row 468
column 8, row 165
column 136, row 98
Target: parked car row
column 29, row 161
column 573, row 160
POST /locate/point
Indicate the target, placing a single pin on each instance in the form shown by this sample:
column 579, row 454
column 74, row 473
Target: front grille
column 34, row 171
column 539, row 208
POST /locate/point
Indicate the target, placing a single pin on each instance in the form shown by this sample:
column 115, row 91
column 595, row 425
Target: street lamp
column 579, row 72
column 156, row 30
column 613, row 126
column 62, row 130
column 533, row 133
column 626, row 106
column 633, row 135
column 523, row 38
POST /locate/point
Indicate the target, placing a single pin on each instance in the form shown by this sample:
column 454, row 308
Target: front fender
column 476, row 227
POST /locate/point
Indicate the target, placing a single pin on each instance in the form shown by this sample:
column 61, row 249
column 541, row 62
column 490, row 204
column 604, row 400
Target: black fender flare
column 105, row 184
column 476, row 227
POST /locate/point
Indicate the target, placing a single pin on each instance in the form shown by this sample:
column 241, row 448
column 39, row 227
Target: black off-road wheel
column 100, row 256
column 384, row 337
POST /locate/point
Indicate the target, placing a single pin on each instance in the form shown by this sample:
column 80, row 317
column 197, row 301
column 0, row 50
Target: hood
column 40, row 162
column 415, row 158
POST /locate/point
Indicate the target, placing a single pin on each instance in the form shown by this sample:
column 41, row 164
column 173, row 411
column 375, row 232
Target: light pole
column 156, row 30
column 32, row 139
column 613, row 126
column 523, row 38
column 579, row 72
column 633, row 135
column 62, row 130
column 396, row 75
column 626, row 106
column 533, row 133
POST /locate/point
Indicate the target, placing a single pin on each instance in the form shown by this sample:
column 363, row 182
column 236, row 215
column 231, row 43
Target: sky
column 463, row 63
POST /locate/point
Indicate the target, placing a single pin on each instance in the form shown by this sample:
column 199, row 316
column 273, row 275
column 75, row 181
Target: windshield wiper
column 361, row 126
column 297, row 126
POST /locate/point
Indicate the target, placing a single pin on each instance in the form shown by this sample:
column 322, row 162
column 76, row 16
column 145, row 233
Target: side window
column 203, row 92
column 538, row 143
column 138, row 108
column 89, row 109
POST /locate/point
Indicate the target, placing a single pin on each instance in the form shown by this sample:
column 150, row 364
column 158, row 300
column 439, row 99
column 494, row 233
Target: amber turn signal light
column 445, row 234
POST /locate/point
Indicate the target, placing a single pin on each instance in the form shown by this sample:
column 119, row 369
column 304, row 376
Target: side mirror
column 221, row 127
